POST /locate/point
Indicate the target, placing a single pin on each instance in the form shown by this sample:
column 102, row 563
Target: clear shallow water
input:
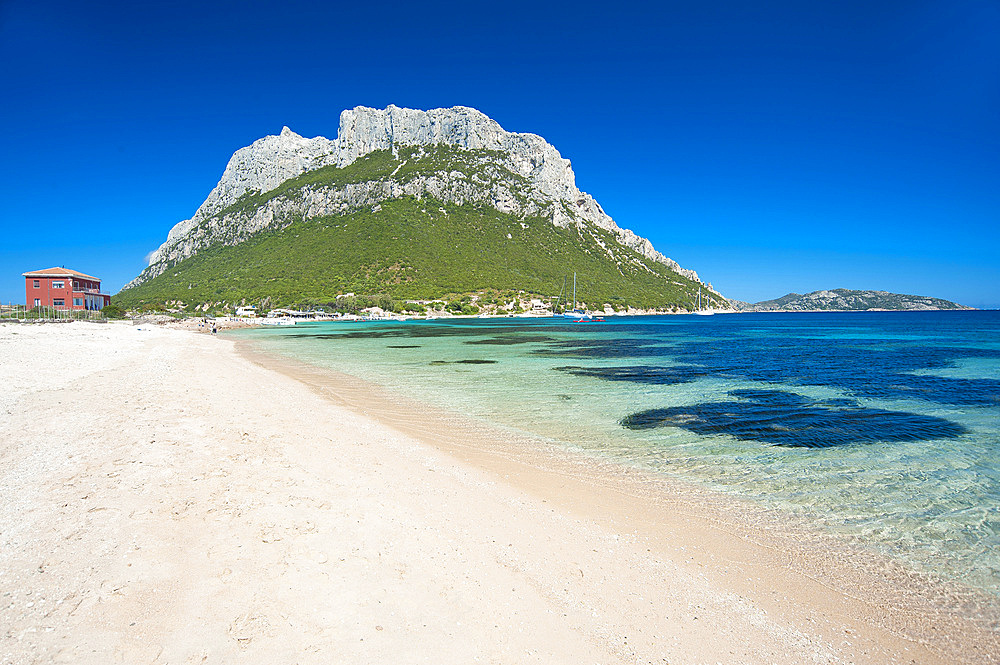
column 879, row 426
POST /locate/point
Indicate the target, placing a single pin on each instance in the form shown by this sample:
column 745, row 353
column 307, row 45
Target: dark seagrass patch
column 786, row 419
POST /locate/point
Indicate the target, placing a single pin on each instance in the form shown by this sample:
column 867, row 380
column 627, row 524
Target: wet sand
column 168, row 499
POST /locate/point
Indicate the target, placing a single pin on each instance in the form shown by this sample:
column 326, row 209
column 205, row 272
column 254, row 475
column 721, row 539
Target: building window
column 36, row 283
column 58, row 285
column 77, row 302
column 38, row 302
column 58, row 302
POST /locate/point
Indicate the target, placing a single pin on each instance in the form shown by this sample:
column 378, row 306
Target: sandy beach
column 169, row 497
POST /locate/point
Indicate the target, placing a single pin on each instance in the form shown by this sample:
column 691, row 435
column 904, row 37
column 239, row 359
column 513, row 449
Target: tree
column 113, row 312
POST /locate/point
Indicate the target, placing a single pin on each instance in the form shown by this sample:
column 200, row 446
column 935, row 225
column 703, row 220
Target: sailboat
column 559, row 299
column 577, row 314
column 700, row 311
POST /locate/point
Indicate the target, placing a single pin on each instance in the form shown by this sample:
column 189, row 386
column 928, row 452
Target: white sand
column 165, row 500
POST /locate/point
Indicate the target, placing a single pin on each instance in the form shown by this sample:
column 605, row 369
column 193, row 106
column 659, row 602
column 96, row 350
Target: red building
column 62, row 288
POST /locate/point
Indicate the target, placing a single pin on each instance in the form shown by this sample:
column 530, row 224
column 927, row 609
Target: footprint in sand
column 246, row 627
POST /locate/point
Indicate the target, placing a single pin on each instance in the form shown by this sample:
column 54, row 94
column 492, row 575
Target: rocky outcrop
column 260, row 167
column 270, row 161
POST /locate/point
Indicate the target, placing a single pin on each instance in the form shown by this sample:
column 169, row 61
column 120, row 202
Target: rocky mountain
column 848, row 300
column 445, row 179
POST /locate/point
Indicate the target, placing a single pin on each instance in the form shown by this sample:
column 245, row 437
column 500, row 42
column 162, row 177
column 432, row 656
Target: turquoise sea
column 881, row 427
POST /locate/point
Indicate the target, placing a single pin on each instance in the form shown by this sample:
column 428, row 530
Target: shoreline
column 883, row 603
column 231, row 322
column 875, row 598
column 204, row 507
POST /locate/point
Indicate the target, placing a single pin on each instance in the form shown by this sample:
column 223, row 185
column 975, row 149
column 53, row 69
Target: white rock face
column 364, row 130
column 269, row 161
column 265, row 164
column 261, row 166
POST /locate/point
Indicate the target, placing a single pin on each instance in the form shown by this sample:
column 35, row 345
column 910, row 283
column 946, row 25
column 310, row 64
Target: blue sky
column 772, row 147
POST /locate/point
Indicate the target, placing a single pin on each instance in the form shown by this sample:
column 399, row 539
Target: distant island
column 847, row 300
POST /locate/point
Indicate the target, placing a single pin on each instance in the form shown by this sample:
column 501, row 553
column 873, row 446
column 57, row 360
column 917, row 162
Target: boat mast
column 574, row 292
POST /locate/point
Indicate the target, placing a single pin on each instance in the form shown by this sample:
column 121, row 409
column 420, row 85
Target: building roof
column 58, row 272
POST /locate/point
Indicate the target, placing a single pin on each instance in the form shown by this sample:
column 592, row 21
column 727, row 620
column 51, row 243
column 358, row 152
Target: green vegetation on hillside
column 411, row 248
column 416, row 248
